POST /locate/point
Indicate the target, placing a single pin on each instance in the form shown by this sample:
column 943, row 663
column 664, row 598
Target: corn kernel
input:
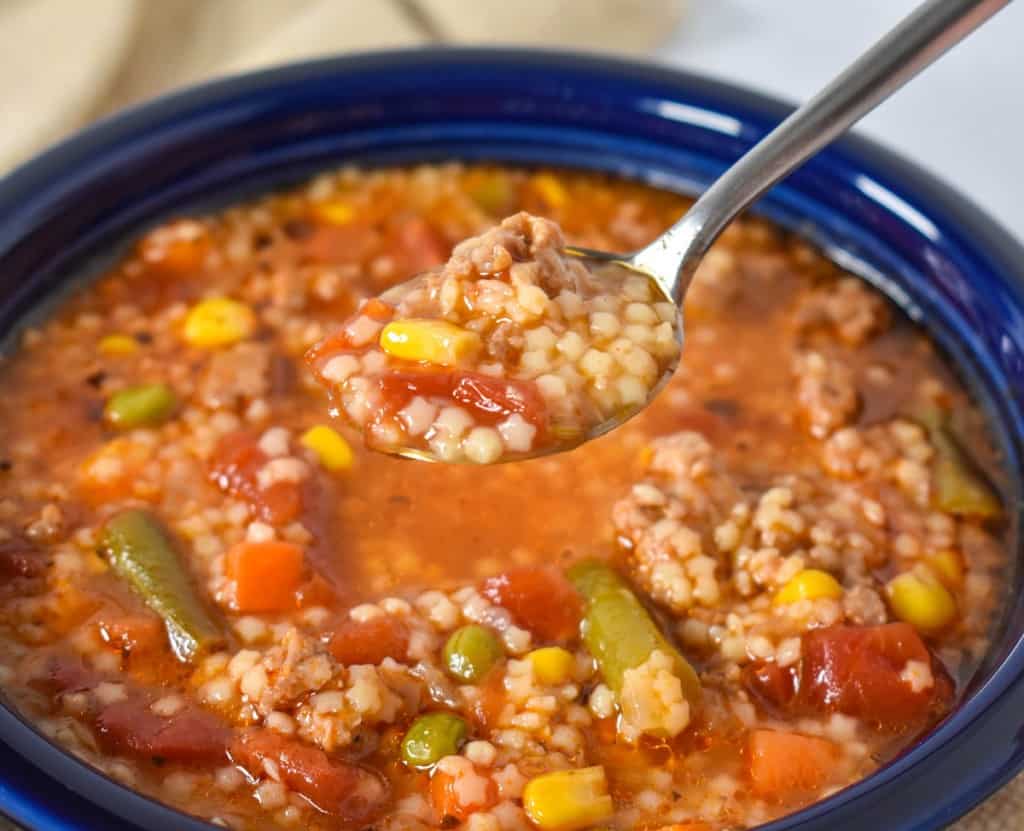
column 568, row 800
column 918, row 598
column 429, row 341
column 550, row 189
column 118, row 345
column 948, row 567
column 219, row 321
column 809, row 584
column 552, row 665
column 330, row 448
column 335, row 212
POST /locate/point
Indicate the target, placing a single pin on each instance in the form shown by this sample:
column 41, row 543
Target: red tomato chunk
column 540, row 599
column 370, row 641
column 351, row 792
column 191, row 735
column 857, row 670
column 491, row 400
column 234, row 467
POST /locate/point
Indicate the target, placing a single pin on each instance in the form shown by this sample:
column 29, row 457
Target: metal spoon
column 671, row 260
column 919, row 40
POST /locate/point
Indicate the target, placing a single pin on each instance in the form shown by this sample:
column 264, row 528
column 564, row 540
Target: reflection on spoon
column 514, row 348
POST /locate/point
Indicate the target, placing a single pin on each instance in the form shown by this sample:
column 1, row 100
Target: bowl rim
column 37, row 181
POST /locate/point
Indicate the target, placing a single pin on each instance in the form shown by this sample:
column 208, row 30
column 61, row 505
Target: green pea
column 471, row 651
column 432, row 737
column 144, row 405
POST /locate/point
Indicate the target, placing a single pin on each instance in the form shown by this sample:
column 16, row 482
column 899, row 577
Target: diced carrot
column 265, row 575
column 782, row 764
column 370, row 641
column 540, row 599
column 444, row 796
column 686, row 826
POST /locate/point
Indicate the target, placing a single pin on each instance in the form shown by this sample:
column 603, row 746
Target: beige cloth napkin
column 69, row 61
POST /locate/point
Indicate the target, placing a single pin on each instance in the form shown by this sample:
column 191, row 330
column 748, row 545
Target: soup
column 755, row 592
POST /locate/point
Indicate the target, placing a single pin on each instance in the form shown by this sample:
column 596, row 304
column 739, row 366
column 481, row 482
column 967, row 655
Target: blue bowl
column 948, row 264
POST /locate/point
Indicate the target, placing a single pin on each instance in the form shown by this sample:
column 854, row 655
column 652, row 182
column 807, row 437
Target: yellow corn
column 550, row 189
column 219, row 321
column 568, row 800
column 552, row 665
column 646, row 455
column 918, row 598
column 948, row 567
column 809, row 584
column 330, row 448
column 118, row 345
column 429, row 341
column 334, row 212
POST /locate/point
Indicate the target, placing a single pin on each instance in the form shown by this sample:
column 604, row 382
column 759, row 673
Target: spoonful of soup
column 521, row 345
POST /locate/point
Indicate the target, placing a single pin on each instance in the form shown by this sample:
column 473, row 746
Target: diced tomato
column 322, row 351
column 234, row 466
column 349, row 243
column 782, row 764
column 63, row 673
column 190, row 735
column 168, row 251
column 772, row 686
column 20, row 558
column 489, row 704
column 351, row 792
column 132, row 634
column 540, row 599
column 856, row 670
column 491, row 399
column 316, row 591
column 378, row 310
column 370, row 641
column 422, row 246
column 500, row 398
column 445, row 797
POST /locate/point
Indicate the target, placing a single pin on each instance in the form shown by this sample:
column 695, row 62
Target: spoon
column 669, row 263
column 915, row 43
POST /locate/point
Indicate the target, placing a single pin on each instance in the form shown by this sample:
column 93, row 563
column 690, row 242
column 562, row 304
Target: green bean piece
column 144, row 405
column 618, row 631
column 471, row 652
column 140, row 552
column 959, row 488
column 432, row 737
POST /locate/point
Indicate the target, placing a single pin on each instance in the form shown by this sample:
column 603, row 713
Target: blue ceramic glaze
column 947, row 263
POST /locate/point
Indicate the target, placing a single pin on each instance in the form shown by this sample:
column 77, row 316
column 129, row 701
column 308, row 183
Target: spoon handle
column 929, row 31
